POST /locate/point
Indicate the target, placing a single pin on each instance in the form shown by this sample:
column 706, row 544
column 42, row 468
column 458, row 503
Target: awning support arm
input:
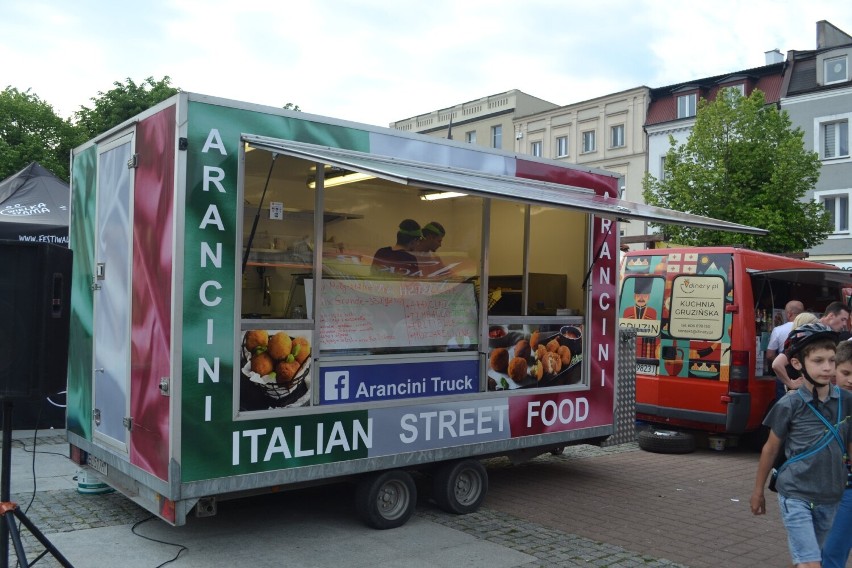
column 257, row 214
column 597, row 256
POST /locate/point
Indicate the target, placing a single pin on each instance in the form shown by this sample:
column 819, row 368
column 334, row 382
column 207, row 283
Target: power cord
column 181, row 547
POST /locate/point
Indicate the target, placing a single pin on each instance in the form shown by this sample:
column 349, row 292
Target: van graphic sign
column 698, row 307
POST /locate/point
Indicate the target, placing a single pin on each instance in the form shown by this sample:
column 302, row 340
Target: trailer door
column 113, row 257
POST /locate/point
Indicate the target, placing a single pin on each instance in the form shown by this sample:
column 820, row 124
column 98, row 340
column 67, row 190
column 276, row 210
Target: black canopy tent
column 34, row 206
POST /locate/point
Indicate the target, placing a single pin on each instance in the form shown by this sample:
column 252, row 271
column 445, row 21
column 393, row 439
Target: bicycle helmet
column 805, row 335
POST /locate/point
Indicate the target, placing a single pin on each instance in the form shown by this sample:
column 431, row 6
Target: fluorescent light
column 331, row 181
column 441, row 195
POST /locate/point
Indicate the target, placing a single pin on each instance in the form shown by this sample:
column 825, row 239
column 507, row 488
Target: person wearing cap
column 398, row 260
column 433, row 237
column 809, row 489
column 641, row 294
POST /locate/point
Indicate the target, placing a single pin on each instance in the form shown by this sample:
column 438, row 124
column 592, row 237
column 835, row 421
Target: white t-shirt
column 779, row 335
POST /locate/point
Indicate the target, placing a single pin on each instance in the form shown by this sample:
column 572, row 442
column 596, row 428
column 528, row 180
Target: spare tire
column 666, row 441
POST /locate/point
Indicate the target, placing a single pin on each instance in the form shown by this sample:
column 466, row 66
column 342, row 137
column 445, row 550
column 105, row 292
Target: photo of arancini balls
column 522, row 349
column 280, row 345
column 564, row 353
column 301, row 349
column 256, row 338
column 540, row 351
column 518, row 369
column 500, row 359
column 552, row 345
column 534, row 340
column 538, row 370
column 285, row 372
column 552, row 363
column 262, row 364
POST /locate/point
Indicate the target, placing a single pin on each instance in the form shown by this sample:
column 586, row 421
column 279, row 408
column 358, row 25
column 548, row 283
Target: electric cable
column 182, row 547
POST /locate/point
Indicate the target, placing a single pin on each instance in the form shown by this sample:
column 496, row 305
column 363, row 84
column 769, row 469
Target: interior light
column 333, row 180
column 441, row 195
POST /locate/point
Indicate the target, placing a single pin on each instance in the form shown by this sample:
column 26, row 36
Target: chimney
column 773, row 56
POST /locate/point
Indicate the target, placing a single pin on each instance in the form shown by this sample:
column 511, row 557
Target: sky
column 379, row 61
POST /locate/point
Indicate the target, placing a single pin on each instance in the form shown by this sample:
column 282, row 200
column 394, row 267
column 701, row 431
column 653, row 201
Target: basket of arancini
column 277, row 364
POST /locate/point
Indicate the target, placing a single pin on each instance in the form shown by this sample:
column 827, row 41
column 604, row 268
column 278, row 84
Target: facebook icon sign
column 336, row 385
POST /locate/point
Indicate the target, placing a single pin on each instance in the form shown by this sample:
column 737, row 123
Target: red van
column 703, row 317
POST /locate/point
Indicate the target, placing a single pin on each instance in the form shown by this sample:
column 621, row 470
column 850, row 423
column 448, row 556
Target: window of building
column 836, row 70
column 662, row 168
column 588, row 141
column 834, row 139
column 617, row 136
column 732, row 91
column 497, row 136
column 686, row 105
column 561, row 146
column 836, row 204
column 470, row 137
column 535, row 148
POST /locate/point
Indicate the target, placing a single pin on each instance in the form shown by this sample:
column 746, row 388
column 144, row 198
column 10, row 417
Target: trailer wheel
column 666, row 441
column 386, row 500
column 459, row 487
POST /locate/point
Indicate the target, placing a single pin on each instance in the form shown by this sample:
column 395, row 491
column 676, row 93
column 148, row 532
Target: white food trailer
column 256, row 307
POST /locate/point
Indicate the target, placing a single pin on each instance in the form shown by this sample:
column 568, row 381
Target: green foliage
column 291, row 106
column 31, row 131
column 743, row 163
column 121, row 103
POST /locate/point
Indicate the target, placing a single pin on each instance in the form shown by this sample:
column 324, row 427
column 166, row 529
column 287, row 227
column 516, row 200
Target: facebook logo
column 336, row 385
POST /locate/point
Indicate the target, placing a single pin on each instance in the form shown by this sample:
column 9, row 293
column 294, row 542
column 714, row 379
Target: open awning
column 447, row 178
column 810, row 276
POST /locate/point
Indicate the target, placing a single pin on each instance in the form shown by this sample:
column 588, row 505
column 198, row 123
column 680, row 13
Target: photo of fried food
column 286, row 371
column 280, row 345
column 301, row 349
column 534, row 340
column 552, row 363
column 262, row 364
column 538, row 370
column 256, row 338
column 540, row 351
column 564, row 353
column 552, row 345
column 522, row 349
column 518, row 369
column 500, row 359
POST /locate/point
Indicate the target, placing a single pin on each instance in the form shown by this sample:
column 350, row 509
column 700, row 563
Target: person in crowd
column 779, row 333
column 835, row 552
column 398, row 260
column 809, row 489
column 836, row 316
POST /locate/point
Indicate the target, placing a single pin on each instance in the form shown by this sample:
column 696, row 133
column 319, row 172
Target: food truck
column 703, row 317
column 255, row 308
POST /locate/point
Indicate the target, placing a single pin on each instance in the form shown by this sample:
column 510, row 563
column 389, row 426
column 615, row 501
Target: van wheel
column 459, row 487
column 386, row 500
column 666, row 441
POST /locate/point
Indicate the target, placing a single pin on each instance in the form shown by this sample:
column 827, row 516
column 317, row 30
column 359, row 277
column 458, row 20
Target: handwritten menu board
column 371, row 314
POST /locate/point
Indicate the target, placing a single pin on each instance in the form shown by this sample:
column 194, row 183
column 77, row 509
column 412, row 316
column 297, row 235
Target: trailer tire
column 459, row 487
column 666, row 441
column 386, row 500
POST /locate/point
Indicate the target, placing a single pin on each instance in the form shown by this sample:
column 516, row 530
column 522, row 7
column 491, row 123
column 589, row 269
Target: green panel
column 82, row 242
column 209, row 340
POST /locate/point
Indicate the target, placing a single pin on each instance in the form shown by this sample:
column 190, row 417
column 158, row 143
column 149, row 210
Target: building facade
column 486, row 121
column 818, row 99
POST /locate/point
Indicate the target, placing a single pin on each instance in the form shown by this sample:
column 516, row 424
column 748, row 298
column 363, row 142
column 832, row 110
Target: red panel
column 602, row 184
column 152, row 274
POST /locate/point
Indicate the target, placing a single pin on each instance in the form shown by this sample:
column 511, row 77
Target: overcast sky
column 377, row 61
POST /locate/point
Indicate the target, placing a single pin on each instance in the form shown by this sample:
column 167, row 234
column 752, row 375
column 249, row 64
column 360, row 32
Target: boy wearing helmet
column 809, row 489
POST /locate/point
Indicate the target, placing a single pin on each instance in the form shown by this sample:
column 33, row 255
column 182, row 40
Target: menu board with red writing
column 375, row 314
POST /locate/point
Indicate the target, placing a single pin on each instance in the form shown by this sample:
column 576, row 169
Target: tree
column 124, row 101
column 30, row 131
column 744, row 163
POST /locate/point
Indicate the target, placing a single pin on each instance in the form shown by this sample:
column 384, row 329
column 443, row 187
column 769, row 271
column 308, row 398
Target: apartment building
column 818, row 99
column 486, row 121
column 604, row 133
